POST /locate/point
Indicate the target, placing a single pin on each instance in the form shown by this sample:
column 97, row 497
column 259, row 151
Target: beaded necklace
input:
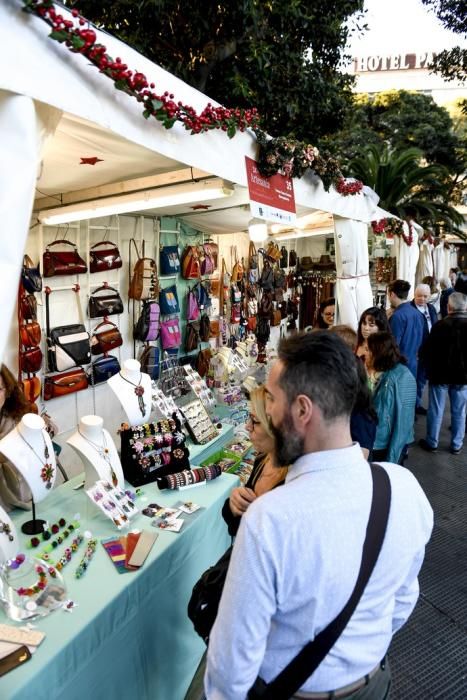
column 40, row 584
column 47, row 470
column 103, row 452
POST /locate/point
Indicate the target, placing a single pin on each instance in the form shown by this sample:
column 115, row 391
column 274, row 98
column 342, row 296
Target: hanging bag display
column 169, row 260
column 273, row 252
column 252, row 264
column 102, row 369
column 102, row 341
column 266, row 281
column 168, row 301
column 31, row 276
column 108, row 304
column 170, row 334
column 191, row 267
column 237, row 269
column 143, row 276
column 284, row 259
column 108, row 258
column 150, row 361
column 204, row 328
column 148, row 325
column 209, row 261
column 191, row 337
column 192, row 308
column 292, row 258
column 67, row 345
column 58, row 385
column 62, row 262
column 30, row 360
column 31, row 387
column 30, row 334
column 28, row 307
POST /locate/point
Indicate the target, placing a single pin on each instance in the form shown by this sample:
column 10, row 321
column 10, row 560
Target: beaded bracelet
column 88, row 555
column 68, row 553
column 47, row 534
column 52, row 545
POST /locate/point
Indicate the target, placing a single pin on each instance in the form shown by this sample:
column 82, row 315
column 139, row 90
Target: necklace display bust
column 133, row 390
column 94, row 445
column 29, row 448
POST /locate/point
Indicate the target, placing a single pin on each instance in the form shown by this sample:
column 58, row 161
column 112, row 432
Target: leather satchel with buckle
column 63, row 262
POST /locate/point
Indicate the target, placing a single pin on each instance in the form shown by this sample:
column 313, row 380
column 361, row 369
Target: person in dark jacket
column 406, row 323
column 446, row 290
column 429, row 315
column 445, row 357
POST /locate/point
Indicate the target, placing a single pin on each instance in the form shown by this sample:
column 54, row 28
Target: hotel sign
column 395, row 61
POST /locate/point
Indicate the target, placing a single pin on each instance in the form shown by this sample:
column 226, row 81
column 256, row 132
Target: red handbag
column 31, row 388
column 65, row 383
column 104, row 341
column 30, row 360
column 30, row 334
column 63, row 262
column 28, row 307
column 107, row 259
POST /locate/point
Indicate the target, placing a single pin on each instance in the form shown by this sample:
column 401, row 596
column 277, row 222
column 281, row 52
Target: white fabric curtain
column 353, row 289
column 407, row 256
column 24, row 128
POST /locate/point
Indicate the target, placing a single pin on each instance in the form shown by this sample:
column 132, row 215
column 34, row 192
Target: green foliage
column 406, row 186
column 281, row 56
column 451, row 64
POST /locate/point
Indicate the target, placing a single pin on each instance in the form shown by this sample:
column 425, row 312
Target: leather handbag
column 273, row 252
column 108, row 258
column 214, row 328
column 170, row 334
column 276, row 318
column 30, row 360
column 143, row 276
column 191, row 266
column 108, row 304
column 31, row 387
column 203, row 361
column 102, row 369
column 30, row 334
column 237, row 270
column 191, row 337
column 62, row 262
column 102, row 341
column 28, row 307
column 31, row 276
column 65, row 383
column 168, row 300
column 204, row 328
column 169, row 260
column 68, row 345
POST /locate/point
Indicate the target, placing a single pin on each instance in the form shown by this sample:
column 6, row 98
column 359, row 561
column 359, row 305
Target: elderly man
column 444, row 355
column 298, row 551
column 406, row 323
column 428, row 312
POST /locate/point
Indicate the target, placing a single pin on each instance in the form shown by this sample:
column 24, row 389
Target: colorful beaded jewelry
column 47, row 533
column 69, row 551
column 40, row 584
column 16, row 562
column 52, row 545
column 88, row 555
column 5, row 528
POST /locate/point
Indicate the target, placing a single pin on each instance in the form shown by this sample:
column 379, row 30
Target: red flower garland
column 391, row 228
column 346, row 187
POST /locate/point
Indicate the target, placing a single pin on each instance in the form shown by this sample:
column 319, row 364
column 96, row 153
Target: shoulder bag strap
column 61, row 241
column 106, row 243
column 78, row 302
column 309, row 658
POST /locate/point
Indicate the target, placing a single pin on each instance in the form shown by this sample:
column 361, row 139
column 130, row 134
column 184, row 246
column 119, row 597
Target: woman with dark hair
column 13, row 406
column 326, row 313
column 394, row 395
column 371, row 321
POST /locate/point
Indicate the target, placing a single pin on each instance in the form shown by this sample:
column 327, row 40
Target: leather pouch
column 30, row 334
column 65, row 383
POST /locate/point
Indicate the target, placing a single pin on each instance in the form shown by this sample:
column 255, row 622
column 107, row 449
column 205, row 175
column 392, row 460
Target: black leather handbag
column 31, row 276
column 108, row 304
column 67, row 345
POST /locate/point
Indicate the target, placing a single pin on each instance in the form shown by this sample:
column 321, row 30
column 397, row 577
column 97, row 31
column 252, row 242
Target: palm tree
column 406, row 186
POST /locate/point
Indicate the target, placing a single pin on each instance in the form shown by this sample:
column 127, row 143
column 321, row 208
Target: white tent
column 55, row 108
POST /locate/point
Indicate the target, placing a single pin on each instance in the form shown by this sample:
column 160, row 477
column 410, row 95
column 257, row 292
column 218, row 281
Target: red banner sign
column 271, row 198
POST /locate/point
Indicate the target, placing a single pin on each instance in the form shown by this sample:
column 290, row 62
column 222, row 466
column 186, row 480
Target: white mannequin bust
column 97, row 450
column 125, row 384
column 9, row 544
column 29, row 448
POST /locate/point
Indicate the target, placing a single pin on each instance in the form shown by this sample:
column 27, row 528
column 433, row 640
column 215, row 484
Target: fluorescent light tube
column 159, row 198
column 303, row 234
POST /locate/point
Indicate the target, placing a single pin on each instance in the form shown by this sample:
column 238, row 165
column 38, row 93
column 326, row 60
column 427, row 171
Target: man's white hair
column 423, row 288
column 457, row 302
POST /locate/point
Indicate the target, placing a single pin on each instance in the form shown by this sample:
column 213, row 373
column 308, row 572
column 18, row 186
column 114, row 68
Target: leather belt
column 345, row 690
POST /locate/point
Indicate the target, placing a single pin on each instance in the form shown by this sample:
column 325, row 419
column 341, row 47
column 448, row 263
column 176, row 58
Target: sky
column 402, row 25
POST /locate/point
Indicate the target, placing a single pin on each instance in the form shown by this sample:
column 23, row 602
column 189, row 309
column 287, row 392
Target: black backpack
column 204, row 328
column 263, row 330
column 206, row 595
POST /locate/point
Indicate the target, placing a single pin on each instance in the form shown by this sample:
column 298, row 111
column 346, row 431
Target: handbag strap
column 101, row 289
column 105, row 323
column 28, row 263
column 62, row 241
column 109, row 244
column 309, row 658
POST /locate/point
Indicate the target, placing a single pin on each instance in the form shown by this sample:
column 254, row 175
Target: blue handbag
column 101, row 370
column 168, row 301
column 204, row 300
column 169, row 263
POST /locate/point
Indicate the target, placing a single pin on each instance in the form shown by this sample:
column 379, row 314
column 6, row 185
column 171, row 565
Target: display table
column 129, row 636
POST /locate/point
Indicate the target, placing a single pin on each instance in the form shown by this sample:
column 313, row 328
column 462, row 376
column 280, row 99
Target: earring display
column 165, row 404
column 199, row 386
column 198, row 422
column 113, row 502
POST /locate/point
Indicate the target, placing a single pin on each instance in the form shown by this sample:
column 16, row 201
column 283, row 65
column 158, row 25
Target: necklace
column 40, row 584
column 139, row 391
column 103, row 452
column 47, row 470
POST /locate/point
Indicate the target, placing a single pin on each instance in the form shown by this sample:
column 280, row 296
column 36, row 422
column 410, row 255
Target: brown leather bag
column 276, row 318
column 143, row 277
column 30, row 334
column 28, row 307
column 215, row 328
column 31, row 388
column 30, row 360
column 62, row 262
column 107, row 259
column 238, row 269
column 104, row 341
column 203, row 361
column 65, row 383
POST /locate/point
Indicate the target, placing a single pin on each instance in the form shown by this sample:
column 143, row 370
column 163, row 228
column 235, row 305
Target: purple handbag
column 192, row 313
column 170, row 334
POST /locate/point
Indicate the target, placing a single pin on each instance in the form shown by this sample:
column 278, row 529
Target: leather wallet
column 14, row 659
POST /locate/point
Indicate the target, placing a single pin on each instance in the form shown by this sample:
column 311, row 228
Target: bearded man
column 299, row 547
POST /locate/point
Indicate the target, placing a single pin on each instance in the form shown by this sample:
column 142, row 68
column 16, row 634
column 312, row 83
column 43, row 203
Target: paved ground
column 429, row 655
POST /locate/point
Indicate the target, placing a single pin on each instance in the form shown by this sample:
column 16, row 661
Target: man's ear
column 302, row 410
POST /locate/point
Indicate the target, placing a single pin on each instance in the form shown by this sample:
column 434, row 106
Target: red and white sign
column 271, row 198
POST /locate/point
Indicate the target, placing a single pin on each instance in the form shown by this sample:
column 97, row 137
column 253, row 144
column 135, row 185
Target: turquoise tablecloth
column 129, row 638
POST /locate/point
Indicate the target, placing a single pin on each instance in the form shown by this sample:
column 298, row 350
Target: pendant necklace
column 139, row 391
column 103, row 452
column 47, row 470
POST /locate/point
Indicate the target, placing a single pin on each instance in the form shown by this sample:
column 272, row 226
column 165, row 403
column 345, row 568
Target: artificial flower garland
column 393, row 227
column 277, row 155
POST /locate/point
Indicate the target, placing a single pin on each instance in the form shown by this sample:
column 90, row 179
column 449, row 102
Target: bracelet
column 52, row 545
column 68, row 553
column 47, row 534
column 88, row 555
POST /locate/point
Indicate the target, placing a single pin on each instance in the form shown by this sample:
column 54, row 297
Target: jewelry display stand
column 29, row 448
column 94, row 445
column 133, row 390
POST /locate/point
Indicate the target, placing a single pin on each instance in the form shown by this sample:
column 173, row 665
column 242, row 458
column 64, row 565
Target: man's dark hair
column 400, row 288
column 321, row 366
column 385, row 351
